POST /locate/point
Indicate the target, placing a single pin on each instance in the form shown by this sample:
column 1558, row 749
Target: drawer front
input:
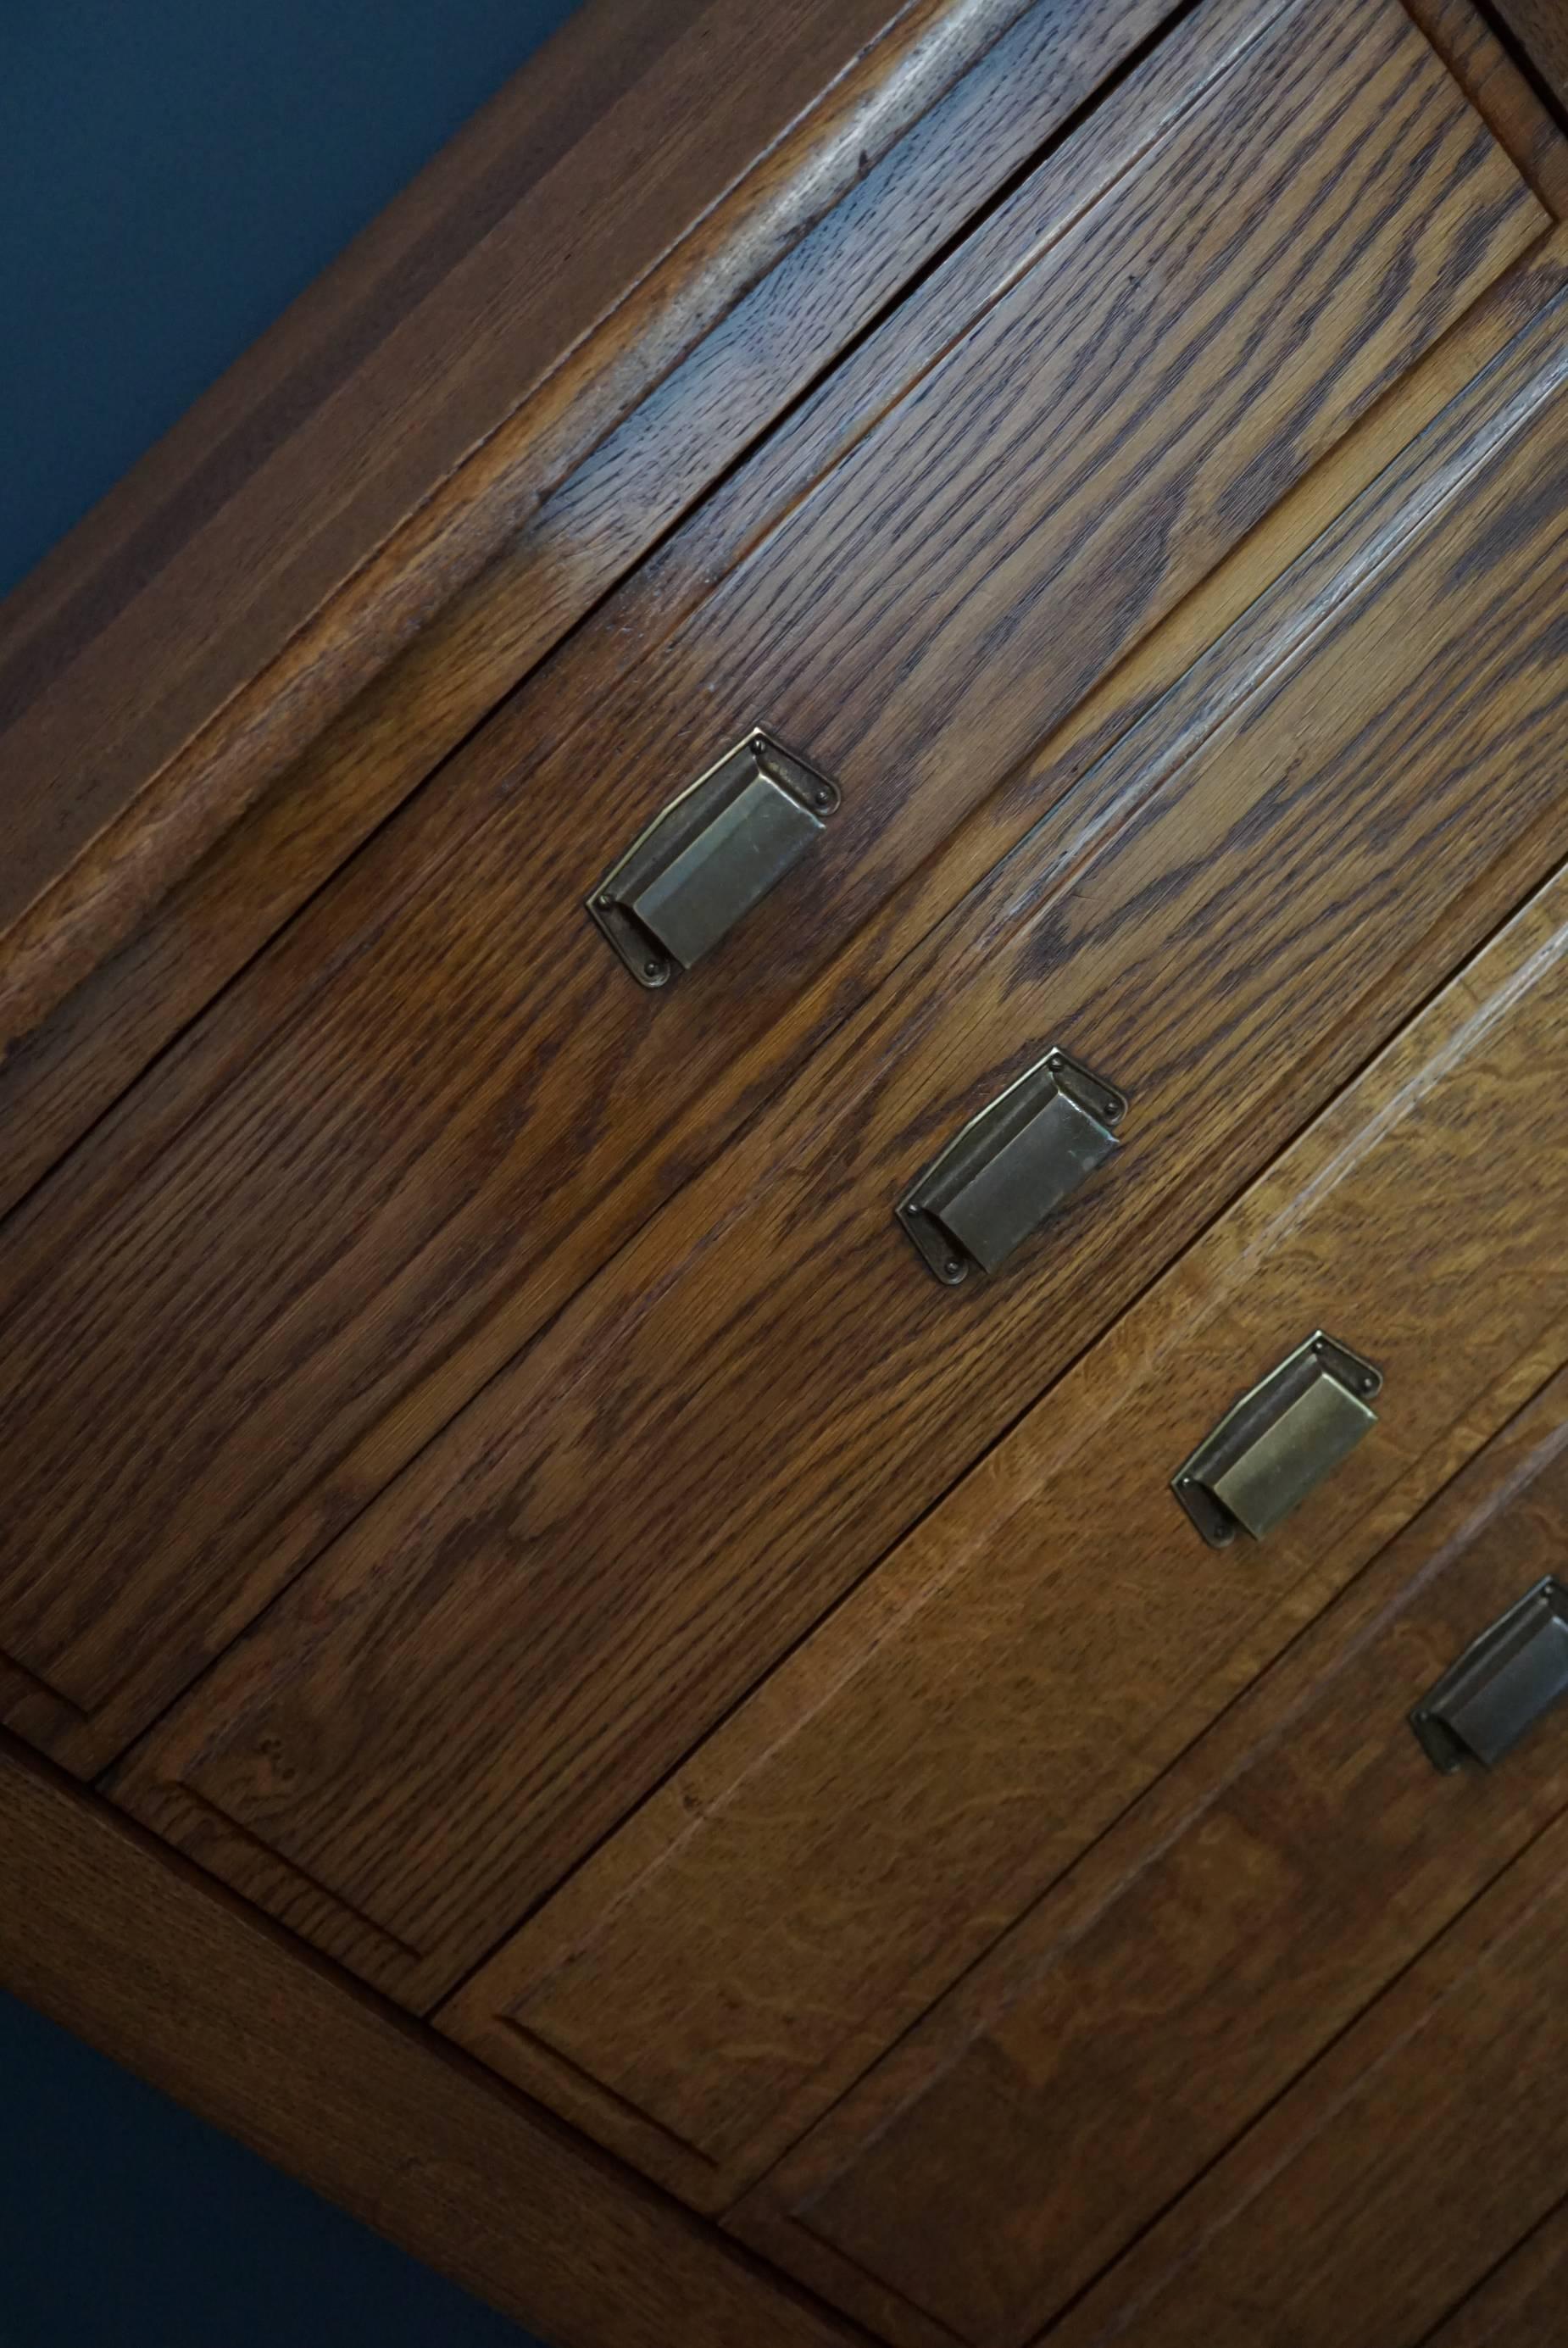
column 725, row 1432
column 1410, row 2162
column 1298, row 1860
column 1054, row 1633
column 472, row 1103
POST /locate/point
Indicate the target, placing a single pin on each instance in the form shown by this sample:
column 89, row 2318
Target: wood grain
column 985, row 1705
column 1405, row 2166
column 85, row 1054
column 1317, row 1855
column 537, row 1619
column 565, row 550
column 367, row 1189
column 308, row 517
column 107, row 1935
column 1543, row 29
column 1520, row 2303
column 1503, row 92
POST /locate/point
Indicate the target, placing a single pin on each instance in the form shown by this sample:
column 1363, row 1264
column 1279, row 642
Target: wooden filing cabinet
column 863, row 1733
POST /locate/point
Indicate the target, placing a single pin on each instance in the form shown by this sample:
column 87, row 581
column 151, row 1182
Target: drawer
column 1412, row 2159
column 725, row 1431
column 1043, row 1645
column 401, row 1164
column 1133, row 2026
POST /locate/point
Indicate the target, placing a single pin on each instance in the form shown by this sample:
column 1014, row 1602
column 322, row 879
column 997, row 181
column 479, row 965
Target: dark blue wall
column 171, row 173
column 124, row 2223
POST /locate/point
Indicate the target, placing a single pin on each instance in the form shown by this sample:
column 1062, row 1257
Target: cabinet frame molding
column 115, row 1938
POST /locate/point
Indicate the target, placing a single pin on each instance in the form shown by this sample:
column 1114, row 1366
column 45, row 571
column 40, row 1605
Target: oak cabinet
column 489, row 1477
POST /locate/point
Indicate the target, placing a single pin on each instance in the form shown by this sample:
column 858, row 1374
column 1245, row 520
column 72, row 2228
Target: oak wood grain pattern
column 604, row 514
column 1316, row 1863
column 49, row 1088
column 1542, row 27
column 363, row 1191
column 1009, row 1680
column 1404, row 2164
column 1007, row 1970
column 120, row 1943
column 1523, row 123
column 602, row 191
column 536, row 1620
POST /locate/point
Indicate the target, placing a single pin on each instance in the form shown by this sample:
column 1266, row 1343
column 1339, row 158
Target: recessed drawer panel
column 1047, row 1640
column 723, row 1433
column 475, row 1101
column 1414, row 2157
column 1300, row 1858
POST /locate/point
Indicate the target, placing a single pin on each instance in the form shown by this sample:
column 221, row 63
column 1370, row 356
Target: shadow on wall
column 172, row 175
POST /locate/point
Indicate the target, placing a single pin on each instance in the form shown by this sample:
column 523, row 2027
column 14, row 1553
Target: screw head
column 952, row 1267
column 653, row 969
column 824, row 796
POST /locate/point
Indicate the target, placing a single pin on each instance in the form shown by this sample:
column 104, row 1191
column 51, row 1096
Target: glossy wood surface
column 600, row 507
column 987, row 1701
column 515, row 1640
column 768, row 1708
column 1096, row 2069
column 310, row 515
column 478, row 1076
column 101, row 1931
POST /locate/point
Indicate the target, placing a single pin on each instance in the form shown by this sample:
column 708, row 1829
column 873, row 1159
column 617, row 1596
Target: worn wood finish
column 1245, row 899
column 1410, row 2159
column 100, row 1930
column 606, row 511
column 1543, row 29
column 1044, row 1640
column 367, row 1188
column 1094, row 2072
column 601, row 215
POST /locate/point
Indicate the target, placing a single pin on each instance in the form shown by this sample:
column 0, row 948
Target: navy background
column 126, row 2223
column 172, row 172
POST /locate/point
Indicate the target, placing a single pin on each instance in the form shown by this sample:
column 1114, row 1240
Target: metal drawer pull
column 1501, row 1684
column 1279, row 1442
column 1009, row 1167
column 710, row 856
